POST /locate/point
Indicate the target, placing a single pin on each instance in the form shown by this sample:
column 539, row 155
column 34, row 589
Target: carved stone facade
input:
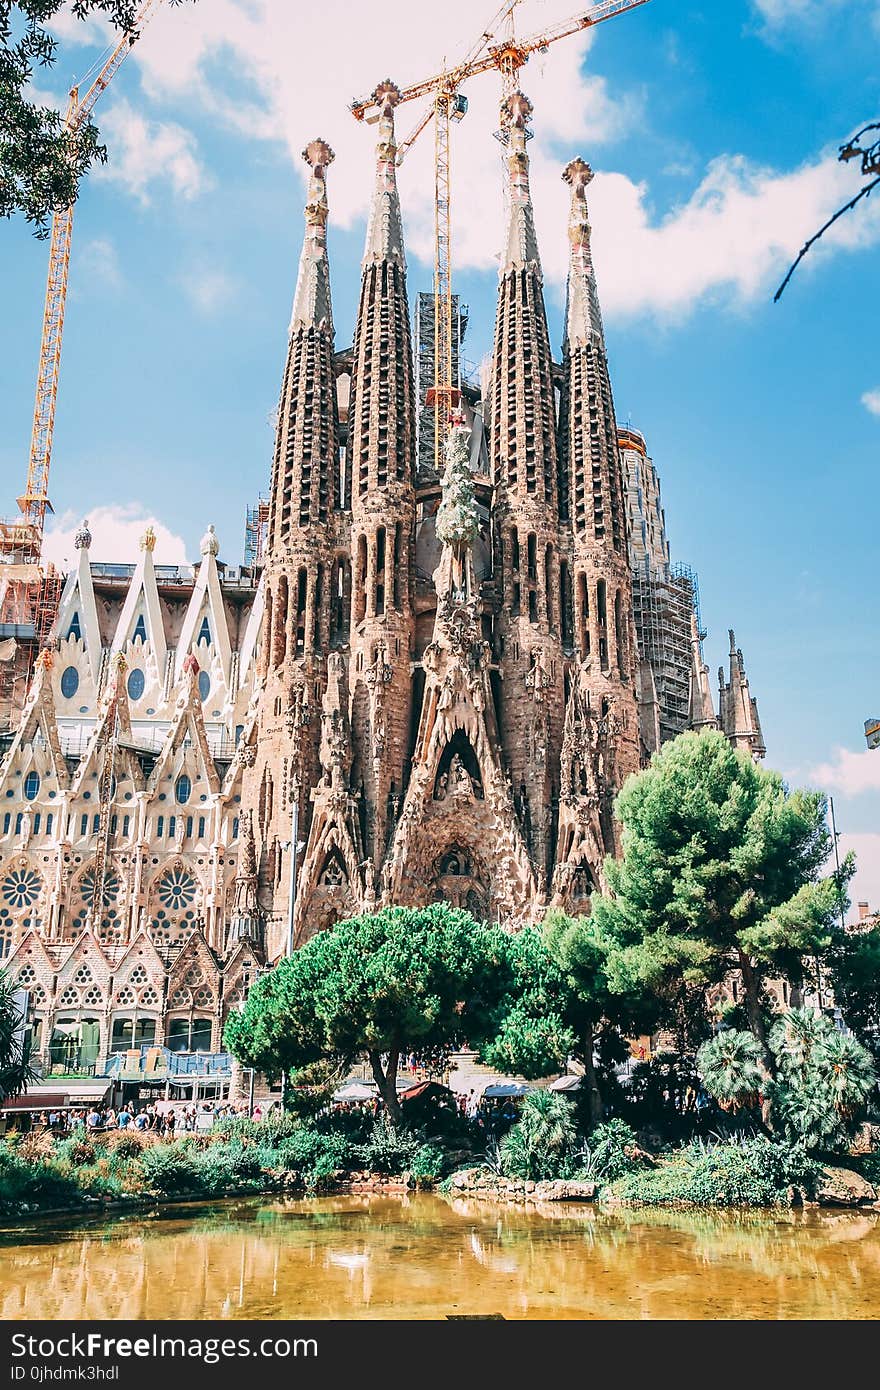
column 464, row 731
column 433, row 692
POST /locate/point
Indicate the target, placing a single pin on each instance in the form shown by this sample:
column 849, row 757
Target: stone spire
column 381, row 408
column 524, row 449
column 521, row 244
column 385, row 225
column 592, row 488
column 381, row 467
column 305, row 471
column 591, row 503
column 701, row 711
column 737, row 707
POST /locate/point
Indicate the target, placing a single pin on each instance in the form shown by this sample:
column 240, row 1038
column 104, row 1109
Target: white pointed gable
column 206, row 602
column 79, row 609
column 143, row 599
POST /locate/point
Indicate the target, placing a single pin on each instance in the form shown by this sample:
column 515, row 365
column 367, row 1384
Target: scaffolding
column 425, row 367
column 663, row 601
column 256, row 533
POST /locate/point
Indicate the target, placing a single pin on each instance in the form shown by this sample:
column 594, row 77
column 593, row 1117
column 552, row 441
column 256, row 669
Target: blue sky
column 713, row 129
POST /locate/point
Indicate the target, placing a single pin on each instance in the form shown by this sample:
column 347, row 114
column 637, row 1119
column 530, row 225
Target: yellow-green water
column 429, row 1257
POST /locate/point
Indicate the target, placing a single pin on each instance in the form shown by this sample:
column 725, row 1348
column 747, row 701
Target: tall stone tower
column 523, row 453
column 601, row 745
column 299, row 576
column 381, row 464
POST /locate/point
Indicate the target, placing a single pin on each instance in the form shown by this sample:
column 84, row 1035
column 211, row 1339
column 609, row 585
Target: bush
column 312, row 1156
column 27, row 1181
column 428, row 1163
column 755, row 1172
column 225, row 1165
column 169, row 1169
column 543, row 1144
column 389, row 1150
column 612, row 1149
column 75, row 1151
column 125, row 1143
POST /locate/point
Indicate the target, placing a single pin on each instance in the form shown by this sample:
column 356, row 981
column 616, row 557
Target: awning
column 356, row 1090
column 59, row 1097
column 566, row 1083
column 506, row 1089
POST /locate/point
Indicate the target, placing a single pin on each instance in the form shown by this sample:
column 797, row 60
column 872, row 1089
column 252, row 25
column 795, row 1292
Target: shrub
column 389, row 1150
column 613, row 1148
column 170, row 1169
column 754, row 1172
column 543, row 1143
column 23, row 1181
column 75, row 1151
column 125, row 1143
column 225, row 1165
column 428, row 1163
column 311, row 1155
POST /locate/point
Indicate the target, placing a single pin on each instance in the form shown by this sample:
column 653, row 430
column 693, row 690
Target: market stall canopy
column 566, row 1083
column 356, row 1090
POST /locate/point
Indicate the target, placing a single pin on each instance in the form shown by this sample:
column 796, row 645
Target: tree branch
column 821, row 232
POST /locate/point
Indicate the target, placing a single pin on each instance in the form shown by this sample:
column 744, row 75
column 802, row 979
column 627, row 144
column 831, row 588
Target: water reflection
column 425, row 1256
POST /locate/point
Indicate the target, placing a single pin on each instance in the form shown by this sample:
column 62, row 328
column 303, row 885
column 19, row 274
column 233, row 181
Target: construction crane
column 507, row 55
column 29, row 595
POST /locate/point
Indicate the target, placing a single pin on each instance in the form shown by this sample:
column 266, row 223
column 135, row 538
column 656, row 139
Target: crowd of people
column 157, row 1117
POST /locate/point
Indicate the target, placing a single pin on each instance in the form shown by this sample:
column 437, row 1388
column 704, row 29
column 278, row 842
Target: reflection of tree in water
column 419, row 1255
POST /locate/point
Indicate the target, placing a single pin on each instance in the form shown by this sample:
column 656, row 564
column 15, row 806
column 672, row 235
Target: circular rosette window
column 21, row 888
column 177, row 890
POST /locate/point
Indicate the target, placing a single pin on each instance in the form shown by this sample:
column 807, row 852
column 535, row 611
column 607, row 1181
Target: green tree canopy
column 855, row 975
column 568, row 980
column 15, row 1070
column 720, row 874
column 41, row 163
column 397, row 981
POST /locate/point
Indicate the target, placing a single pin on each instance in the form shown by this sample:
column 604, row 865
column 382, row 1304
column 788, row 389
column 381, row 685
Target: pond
column 428, row 1256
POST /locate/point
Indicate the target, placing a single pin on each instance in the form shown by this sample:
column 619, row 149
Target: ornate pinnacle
column 578, row 173
column 148, row 539
column 318, row 155
column 386, row 95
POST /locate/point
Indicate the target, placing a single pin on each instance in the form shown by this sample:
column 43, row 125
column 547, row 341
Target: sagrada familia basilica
column 432, row 689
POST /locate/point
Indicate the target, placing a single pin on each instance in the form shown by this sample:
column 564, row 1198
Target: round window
column 31, row 785
column 204, row 685
column 136, row 684
column 69, row 682
column 183, row 789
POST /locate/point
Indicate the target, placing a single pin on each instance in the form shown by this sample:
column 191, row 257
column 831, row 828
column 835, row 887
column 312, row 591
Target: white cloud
column 777, row 12
column 865, row 887
column 209, row 290
column 851, row 774
column 140, row 152
column 116, row 533
column 99, row 259
column 732, row 238
column 871, row 401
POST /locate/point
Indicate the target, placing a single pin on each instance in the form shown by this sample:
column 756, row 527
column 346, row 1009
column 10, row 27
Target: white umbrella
column 504, row 1089
column 566, row 1083
column 357, row 1090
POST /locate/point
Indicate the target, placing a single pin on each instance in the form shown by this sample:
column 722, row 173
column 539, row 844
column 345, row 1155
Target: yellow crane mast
column 29, row 593
column 34, row 502
column 505, row 54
